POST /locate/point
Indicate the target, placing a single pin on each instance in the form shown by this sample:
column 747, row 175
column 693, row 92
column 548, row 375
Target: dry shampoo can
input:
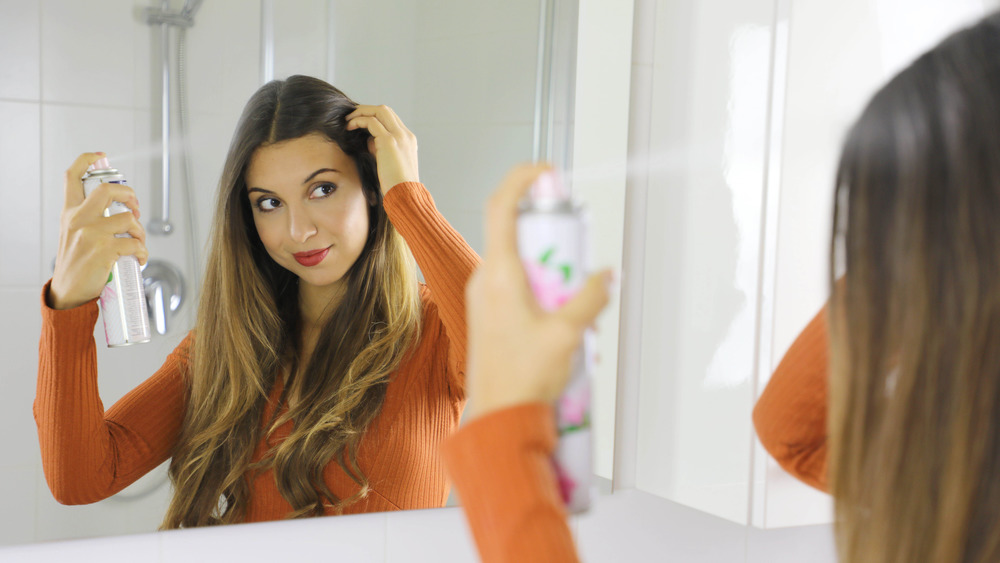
column 123, row 300
column 552, row 242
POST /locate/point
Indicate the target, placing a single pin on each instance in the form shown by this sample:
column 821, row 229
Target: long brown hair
column 248, row 331
column 915, row 324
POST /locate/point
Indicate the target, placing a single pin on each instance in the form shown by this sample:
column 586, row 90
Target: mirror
column 462, row 76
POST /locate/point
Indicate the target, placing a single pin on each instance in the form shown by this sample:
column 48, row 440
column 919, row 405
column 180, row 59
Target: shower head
column 190, row 8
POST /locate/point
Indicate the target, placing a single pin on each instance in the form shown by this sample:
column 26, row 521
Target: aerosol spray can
column 123, row 300
column 552, row 243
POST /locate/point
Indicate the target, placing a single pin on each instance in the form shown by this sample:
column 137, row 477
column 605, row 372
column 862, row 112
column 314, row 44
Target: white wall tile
column 17, row 489
column 300, row 38
column 224, row 55
column 437, row 19
column 462, row 167
column 20, row 230
column 88, row 52
column 353, row 538
column 433, row 535
column 19, row 337
column 483, row 79
column 19, row 49
column 375, row 63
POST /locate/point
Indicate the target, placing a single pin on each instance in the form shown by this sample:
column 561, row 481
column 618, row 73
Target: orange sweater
column 501, row 466
column 790, row 415
column 89, row 454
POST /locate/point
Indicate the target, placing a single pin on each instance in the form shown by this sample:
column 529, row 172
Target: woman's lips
column 312, row 257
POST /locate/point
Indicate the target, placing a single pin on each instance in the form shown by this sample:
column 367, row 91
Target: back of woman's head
column 915, row 323
column 248, row 331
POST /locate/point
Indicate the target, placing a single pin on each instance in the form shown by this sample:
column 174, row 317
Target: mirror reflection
column 462, row 79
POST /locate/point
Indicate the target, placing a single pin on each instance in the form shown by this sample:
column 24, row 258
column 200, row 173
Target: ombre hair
column 914, row 421
column 248, row 332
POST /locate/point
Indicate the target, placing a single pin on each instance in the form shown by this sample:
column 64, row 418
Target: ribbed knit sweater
column 501, row 465
column 89, row 454
column 791, row 414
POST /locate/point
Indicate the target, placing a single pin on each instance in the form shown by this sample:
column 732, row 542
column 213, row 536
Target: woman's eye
column 267, row 204
column 323, row 190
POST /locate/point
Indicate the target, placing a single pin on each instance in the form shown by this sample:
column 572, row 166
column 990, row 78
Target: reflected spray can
column 123, row 299
column 552, row 243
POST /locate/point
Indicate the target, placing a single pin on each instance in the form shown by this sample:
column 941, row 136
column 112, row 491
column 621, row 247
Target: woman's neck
column 317, row 303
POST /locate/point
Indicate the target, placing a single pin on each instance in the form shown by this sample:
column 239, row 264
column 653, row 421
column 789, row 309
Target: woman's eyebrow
column 318, row 172
column 262, row 190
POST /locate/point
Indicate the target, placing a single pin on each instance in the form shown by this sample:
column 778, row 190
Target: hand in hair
column 394, row 146
column 517, row 352
column 88, row 247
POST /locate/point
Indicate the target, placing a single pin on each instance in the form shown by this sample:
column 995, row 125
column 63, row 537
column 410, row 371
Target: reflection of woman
column 320, row 377
column 914, row 385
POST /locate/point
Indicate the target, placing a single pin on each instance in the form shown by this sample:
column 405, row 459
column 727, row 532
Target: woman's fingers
column 131, row 247
column 102, row 196
column 384, row 114
column 372, row 124
column 121, row 223
column 581, row 311
column 74, row 175
column 501, row 210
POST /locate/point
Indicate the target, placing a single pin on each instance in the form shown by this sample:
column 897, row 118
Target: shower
column 165, row 282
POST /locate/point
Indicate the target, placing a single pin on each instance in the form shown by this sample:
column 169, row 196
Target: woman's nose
column 301, row 226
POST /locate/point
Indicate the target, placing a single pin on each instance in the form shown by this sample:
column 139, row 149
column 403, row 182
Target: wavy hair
column 915, row 324
column 248, row 328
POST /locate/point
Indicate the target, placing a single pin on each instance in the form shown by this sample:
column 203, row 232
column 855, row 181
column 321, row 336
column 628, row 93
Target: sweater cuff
column 76, row 324
column 407, row 194
column 497, row 438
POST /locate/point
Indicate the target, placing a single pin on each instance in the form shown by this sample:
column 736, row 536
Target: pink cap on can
column 549, row 187
column 101, row 164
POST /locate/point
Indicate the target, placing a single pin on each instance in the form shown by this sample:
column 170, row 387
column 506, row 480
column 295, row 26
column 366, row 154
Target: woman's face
column 309, row 208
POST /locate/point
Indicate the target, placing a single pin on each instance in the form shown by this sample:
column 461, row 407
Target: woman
column 914, row 384
column 320, row 377
column 913, row 447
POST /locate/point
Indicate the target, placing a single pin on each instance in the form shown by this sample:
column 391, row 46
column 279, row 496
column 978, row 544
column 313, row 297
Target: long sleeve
column 89, row 454
column 445, row 259
column 791, row 414
column 501, row 465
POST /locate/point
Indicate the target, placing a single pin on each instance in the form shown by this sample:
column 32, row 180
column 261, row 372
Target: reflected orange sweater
column 89, row 454
column 790, row 416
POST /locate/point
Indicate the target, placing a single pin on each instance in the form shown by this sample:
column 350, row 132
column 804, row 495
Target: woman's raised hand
column 394, row 146
column 519, row 353
column 88, row 247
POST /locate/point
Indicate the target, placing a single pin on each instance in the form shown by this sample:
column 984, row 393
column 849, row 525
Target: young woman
column 911, row 451
column 913, row 442
column 320, row 377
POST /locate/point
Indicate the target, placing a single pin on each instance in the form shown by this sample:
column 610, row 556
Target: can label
column 123, row 299
column 552, row 246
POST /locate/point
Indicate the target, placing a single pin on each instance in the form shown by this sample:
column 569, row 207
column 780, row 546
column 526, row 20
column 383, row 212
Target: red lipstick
column 311, row 257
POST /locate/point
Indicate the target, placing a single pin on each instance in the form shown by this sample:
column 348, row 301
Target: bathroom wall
column 82, row 76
